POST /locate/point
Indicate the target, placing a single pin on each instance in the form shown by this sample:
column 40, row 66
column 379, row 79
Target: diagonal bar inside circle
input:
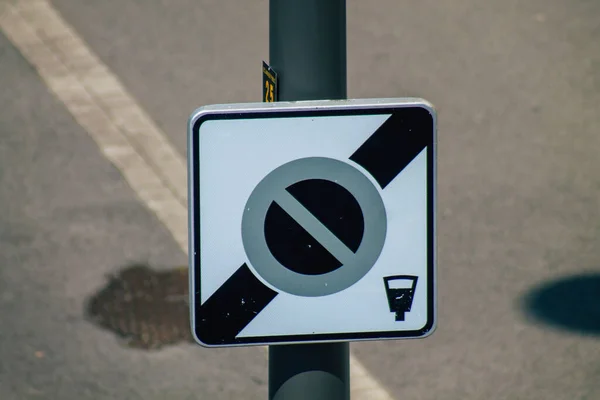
column 314, row 227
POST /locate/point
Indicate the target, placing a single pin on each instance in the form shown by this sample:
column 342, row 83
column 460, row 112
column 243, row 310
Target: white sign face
column 312, row 222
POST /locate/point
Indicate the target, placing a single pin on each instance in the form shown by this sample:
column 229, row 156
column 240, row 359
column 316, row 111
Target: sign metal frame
column 319, row 108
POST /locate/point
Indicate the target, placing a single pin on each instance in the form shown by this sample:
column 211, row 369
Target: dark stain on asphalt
column 146, row 308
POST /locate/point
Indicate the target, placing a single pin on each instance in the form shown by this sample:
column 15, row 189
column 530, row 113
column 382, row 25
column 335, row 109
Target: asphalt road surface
column 517, row 88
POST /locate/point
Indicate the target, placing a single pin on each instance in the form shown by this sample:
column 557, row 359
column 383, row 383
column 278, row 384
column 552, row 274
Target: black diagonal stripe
column 395, row 144
column 232, row 307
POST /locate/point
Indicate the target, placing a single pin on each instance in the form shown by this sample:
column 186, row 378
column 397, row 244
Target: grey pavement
column 68, row 221
column 517, row 87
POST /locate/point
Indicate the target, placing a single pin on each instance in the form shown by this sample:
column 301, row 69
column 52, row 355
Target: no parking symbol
column 324, row 226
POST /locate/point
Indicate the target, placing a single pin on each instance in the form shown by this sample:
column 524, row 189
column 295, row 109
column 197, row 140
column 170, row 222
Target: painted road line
column 71, row 60
column 125, row 134
column 67, row 83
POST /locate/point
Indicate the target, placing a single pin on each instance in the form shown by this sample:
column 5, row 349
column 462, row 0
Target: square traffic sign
column 312, row 221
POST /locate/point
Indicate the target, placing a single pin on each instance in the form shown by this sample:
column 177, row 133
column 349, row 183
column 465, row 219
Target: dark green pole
column 307, row 50
column 309, row 372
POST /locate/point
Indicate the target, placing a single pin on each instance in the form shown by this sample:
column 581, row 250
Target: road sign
column 312, row 221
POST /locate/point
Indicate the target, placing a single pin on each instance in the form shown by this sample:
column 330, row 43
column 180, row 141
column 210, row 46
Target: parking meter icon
column 400, row 291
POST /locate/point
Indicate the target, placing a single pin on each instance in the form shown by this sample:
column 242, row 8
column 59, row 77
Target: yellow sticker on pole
column 269, row 84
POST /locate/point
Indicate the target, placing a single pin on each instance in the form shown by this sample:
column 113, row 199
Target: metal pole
column 309, row 372
column 307, row 49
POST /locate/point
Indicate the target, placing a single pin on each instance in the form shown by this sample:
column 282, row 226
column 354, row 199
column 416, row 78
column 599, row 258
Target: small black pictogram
column 400, row 290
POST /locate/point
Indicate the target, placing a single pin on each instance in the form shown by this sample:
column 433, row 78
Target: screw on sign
column 315, row 226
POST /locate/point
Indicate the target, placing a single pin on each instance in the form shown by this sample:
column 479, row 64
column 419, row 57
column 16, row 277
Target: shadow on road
column 147, row 308
column 571, row 303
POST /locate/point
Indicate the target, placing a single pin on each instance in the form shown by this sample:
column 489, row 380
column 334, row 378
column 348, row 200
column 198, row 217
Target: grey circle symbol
column 273, row 187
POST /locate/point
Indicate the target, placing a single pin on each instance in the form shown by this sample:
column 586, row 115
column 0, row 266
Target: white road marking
column 125, row 134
